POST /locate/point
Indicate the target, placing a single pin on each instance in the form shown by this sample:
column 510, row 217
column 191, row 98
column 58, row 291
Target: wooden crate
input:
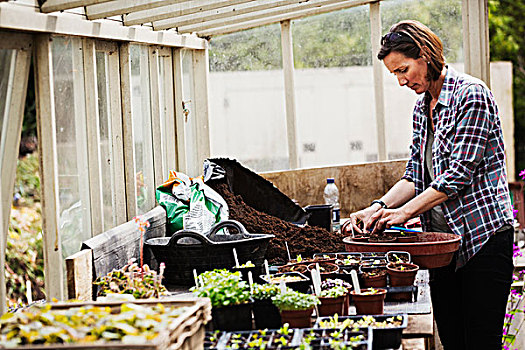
column 184, row 333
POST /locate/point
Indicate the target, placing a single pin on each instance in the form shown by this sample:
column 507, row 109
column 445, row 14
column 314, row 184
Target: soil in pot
column 374, row 278
column 382, row 239
column 233, row 317
column 370, row 301
column 297, row 318
column 406, row 238
column 293, row 268
column 266, row 314
column 398, row 256
column 360, row 238
column 331, row 306
column 327, row 270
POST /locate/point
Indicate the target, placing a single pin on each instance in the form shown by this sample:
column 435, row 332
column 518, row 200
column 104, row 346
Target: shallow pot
column 331, row 306
column 266, row 314
column 369, row 304
column 232, row 317
column 297, row 318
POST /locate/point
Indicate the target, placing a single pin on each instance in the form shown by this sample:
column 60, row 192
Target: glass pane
column 71, row 143
column 142, row 136
column 334, row 88
column 7, row 71
column 106, row 146
column 247, row 110
column 163, row 110
column 443, row 17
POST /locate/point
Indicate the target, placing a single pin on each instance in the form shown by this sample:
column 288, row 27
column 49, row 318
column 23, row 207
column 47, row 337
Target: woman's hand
column 359, row 219
column 386, row 218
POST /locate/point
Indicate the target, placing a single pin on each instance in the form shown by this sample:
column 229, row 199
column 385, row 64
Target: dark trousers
column 469, row 304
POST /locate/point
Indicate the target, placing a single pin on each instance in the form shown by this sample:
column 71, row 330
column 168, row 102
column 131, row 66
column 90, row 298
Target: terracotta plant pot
column 297, row 318
column 369, row 304
column 402, row 274
column 331, row 306
column 327, row 269
column 401, row 278
column 378, row 280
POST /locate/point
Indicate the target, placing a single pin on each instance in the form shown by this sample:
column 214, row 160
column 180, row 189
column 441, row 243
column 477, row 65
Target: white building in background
column 335, row 116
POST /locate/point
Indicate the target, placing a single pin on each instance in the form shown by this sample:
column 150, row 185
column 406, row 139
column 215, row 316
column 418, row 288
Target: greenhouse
column 274, row 97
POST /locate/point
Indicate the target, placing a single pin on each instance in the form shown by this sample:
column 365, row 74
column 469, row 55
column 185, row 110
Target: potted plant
column 248, row 267
column 332, row 300
column 293, row 268
column 230, row 299
column 330, row 283
column 326, row 269
column 296, row 308
column 374, row 277
column 398, row 256
column 402, row 274
column 369, row 301
column 265, row 313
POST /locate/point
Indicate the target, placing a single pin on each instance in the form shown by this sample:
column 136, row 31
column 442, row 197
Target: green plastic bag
column 190, row 204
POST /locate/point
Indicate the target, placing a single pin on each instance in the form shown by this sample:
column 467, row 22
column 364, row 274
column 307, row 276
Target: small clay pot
column 331, row 306
column 375, row 278
column 402, row 274
column 369, row 304
column 297, row 318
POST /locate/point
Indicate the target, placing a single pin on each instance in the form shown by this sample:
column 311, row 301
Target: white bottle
column 331, row 196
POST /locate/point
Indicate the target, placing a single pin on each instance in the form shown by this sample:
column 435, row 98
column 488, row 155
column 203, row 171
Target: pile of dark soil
column 301, row 240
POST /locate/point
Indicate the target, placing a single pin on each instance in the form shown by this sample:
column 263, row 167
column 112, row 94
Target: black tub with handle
column 187, row 250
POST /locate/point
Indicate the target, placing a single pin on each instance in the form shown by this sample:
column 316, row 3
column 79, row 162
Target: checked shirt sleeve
column 474, row 120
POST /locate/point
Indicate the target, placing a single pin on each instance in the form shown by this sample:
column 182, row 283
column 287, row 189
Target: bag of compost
column 190, row 204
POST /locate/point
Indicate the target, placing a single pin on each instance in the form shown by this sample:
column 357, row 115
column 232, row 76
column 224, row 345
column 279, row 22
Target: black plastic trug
column 259, row 193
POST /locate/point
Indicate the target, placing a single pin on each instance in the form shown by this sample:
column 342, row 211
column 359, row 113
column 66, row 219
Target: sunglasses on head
column 395, row 38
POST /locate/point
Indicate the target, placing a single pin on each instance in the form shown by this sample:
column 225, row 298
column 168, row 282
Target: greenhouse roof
column 202, row 17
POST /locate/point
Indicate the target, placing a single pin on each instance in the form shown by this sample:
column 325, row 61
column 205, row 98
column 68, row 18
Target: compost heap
column 305, row 240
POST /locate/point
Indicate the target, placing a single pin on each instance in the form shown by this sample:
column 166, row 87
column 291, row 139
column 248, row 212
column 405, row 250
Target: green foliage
column 222, row 287
column 132, row 324
column 334, row 292
column 292, row 300
column 24, row 256
column 507, row 40
column 142, row 283
column 264, row 291
column 27, row 182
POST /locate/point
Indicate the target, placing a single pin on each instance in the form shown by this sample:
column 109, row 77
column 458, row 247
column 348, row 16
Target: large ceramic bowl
column 431, row 250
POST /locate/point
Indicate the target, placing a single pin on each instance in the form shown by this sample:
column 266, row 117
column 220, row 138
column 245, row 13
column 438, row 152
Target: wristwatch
column 379, row 201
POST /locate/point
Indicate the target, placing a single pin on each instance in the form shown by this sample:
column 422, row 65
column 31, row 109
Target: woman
column 455, row 180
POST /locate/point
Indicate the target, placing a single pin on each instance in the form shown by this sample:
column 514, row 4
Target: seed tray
column 317, row 339
column 383, row 338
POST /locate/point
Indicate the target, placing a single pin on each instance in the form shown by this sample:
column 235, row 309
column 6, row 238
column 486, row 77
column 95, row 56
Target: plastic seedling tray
column 334, row 338
column 261, row 339
column 301, row 285
column 383, row 337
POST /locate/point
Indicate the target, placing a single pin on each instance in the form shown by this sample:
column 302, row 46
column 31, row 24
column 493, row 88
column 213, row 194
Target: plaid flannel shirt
column 468, row 160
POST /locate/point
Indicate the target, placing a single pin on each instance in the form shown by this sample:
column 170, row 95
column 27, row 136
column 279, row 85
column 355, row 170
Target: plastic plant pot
column 327, row 269
column 266, row 314
column 375, row 278
column 370, row 301
column 233, row 317
column 331, row 306
column 297, row 318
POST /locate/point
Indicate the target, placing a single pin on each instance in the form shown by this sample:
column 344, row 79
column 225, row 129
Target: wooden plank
column 120, row 7
column 419, row 326
column 185, row 8
column 93, row 138
column 23, row 18
column 155, row 78
column 226, row 12
column 289, row 93
column 260, row 19
column 127, row 131
column 112, row 249
column 46, row 129
column 475, row 39
column 375, row 29
column 79, row 273
column 182, row 162
column 413, row 344
column 201, row 107
column 111, row 51
column 60, row 5
column 358, row 184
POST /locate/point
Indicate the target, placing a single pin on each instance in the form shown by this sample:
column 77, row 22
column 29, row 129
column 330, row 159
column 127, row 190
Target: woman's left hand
column 385, row 218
